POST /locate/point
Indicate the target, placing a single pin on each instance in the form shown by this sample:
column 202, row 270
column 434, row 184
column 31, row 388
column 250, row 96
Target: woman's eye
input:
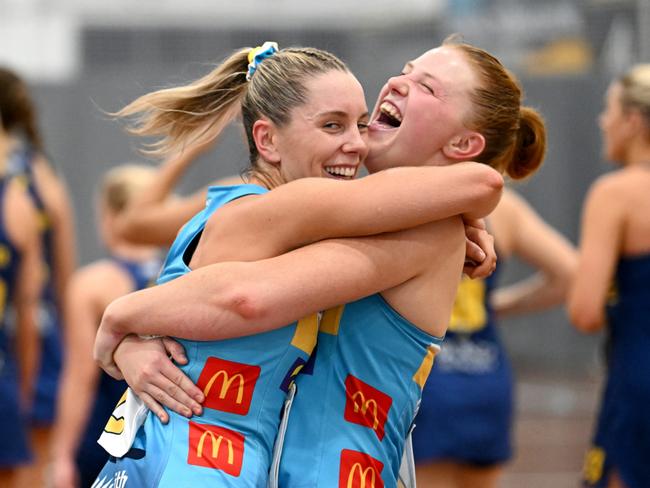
column 363, row 126
column 332, row 125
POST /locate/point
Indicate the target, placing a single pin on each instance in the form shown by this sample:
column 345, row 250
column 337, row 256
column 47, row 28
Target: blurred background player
column 55, row 222
column 463, row 428
column 88, row 396
column 20, row 286
column 615, row 245
column 154, row 216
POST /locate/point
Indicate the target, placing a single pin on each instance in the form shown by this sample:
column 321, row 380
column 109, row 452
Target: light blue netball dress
column 622, row 440
column 245, row 382
column 356, row 400
column 467, row 405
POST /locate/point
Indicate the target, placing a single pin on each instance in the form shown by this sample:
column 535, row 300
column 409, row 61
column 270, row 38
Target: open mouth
column 341, row 172
column 389, row 116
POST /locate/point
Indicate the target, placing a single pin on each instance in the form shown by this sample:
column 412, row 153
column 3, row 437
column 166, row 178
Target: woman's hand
column 147, row 367
column 480, row 255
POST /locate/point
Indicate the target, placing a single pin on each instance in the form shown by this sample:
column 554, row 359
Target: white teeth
column 340, row 170
column 390, row 109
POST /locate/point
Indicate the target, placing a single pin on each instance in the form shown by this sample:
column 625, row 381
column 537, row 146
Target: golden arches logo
column 362, row 476
column 225, row 386
column 364, row 405
column 215, row 442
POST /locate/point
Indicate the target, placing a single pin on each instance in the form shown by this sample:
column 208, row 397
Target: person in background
column 464, row 425
column 615, row 247
column 47, row 190
column 154, row 216
column 21, row 271
column 88, row 395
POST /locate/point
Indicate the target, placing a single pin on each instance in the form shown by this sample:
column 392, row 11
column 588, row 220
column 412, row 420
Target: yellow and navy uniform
column 467, row 406
column 13, row 424
column 245, row 382
column 49, row 323
column 357, row 398
column 622, row 439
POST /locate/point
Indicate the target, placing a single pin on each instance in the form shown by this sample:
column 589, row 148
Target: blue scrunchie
column 259, row 54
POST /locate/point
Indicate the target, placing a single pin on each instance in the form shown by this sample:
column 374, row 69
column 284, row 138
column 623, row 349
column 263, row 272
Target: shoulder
column 20, row 214
column 609, row 193
column 611, row 185
column 50, row 186
column 103, row 280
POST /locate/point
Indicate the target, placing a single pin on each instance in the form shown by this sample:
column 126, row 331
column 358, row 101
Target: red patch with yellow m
column 228, row 386
column 216, row 447
column 359, row 470
column 365, row 405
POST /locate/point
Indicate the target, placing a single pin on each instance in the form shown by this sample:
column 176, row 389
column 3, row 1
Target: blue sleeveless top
column 15, row 449
column 621, row 442
column 629, row 324
column 357, row 398
column 9, row 264
column 245, row 382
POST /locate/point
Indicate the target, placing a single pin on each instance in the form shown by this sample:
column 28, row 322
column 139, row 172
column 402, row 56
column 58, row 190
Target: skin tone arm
column 468, row 189
column 20, row 217
column 57, row 204
column 600, row 244
column 255, row 296
column 522, row 232
column 458, row 188
column 152, row 217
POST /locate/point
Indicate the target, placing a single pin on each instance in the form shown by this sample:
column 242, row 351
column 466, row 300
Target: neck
column 638, row 154
column 267, row 176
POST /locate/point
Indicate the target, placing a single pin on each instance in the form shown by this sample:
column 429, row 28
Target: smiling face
column 421, row 111
column 326, row 136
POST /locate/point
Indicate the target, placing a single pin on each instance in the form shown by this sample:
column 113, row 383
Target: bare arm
column 235, row 299
column 59, row 210
column 600, row 243
column 544, row 249
column 386, row 201
column 80, row 375
column 152, row 217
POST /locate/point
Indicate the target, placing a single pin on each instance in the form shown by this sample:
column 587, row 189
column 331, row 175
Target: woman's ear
column 264, row 135
column 465, row 146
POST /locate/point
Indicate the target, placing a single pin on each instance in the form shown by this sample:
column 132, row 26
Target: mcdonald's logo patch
column 216, row 447
column 359, row 470
column 365, row 405
column 228, row 386
column 295, row 369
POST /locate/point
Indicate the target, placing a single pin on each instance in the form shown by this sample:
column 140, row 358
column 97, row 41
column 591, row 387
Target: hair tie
column 259, row 54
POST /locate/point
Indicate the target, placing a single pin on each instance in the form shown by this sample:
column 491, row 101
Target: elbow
column 111, row 318
column 489, row 189
column 493, row 184
column 246, row 305
column 584, row 320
